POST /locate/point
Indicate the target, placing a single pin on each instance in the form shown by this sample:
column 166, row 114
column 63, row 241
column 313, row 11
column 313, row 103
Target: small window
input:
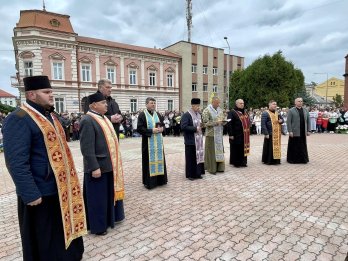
column 170, row 105
column 132, row 76
column 215, row 88
column 134, row 105
column 194, row 87
column 205, row 87
column 205, row 69
column 215, row 71
column 194, row 68
column 152, row 78
column 111, row 74
column 86, row 72
column 57, row 70
column 28, row 68
column 170, row 80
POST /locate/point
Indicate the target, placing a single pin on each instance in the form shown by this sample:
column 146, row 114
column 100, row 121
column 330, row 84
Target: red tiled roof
column 43, row 19
column 95, row 41
column 4, row 94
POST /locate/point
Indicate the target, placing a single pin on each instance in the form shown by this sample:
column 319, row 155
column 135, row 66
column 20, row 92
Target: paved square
column 286, row 212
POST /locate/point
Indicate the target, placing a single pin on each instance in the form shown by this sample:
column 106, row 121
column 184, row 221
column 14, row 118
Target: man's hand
column 96, row 173
column 116, row 118
column 155, row 130
column 308, row 133
column 199, row 129
column 291, row 134
column 267, row 136
column 35, row 202
column 231, row 137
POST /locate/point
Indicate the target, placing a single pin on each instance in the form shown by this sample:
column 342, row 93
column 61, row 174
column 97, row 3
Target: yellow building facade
column 331, row 87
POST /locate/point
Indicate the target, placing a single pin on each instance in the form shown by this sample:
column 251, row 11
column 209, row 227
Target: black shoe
column 101, row 233
column 191, row 179
column 200, row 177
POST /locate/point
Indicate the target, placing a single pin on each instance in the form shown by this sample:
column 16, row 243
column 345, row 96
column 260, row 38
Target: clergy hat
column 33, row 83
column 195, row 101
column 96, row 97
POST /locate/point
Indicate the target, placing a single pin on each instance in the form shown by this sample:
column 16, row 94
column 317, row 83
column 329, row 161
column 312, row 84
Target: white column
column 142, row 68
column 122, row 70
column 161, row 74
column 97, row 67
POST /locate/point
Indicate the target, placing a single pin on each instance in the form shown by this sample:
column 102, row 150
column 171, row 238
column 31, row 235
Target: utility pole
column 189, row 19
column 228, row 73
column 43, row 5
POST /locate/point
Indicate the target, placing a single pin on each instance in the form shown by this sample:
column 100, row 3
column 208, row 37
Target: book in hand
column 158, row 125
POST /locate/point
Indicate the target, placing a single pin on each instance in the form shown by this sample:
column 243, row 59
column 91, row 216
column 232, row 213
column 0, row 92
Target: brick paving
column 286, row 212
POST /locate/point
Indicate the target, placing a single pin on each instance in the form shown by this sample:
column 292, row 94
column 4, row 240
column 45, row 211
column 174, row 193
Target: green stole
column 155, row 145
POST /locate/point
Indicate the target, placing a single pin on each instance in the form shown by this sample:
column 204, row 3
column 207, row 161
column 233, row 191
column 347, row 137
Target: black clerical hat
column 32, row 83
column 96, row 97
column 195, row 101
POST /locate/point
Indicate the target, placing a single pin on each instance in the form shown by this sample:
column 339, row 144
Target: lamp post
column 228, row 73
column 327, row 85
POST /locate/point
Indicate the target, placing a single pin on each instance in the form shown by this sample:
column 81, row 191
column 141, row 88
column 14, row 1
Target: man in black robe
column 103, row 188
column 194, row 151
column 298, row 122
column 239, row 134
column 150, row 126
column 271, row 123
column 113, row 113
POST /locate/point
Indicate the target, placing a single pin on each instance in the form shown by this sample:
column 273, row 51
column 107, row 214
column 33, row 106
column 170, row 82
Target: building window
column 205, row 87
column 215, row 71
column 28, row 68
column 170, row 105
column 152, row 78
column 134, row 105
column 194, row 87
column 132, row 76
column 225, row 74
column 11, row 103
column 205, row 69
column 170, row 80
column 59, row 104
column 215, row 88
column 86, row 72
column 57, row 70
column 111, row 74
column 194, row 68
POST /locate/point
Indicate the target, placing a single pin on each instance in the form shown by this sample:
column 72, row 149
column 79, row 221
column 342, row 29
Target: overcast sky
column 312, row 34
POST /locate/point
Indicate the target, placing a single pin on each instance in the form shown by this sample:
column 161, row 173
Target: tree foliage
column 267, row 78
column 6, row 108
column 338, row 100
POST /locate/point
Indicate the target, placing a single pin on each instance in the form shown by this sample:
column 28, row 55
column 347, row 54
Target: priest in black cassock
column 238, row 129
column 103, row 188
column 298, row 121
column 193, row 137
column 271, row 124
column 150, row 126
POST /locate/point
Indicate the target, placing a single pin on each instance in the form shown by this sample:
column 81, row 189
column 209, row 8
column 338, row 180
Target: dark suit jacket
column 188, row 129
column 26, row 156
column 93, row 146
column 266, row 123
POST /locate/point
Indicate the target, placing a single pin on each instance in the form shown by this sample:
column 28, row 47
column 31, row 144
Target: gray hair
column 148, row 99
column 102, row 82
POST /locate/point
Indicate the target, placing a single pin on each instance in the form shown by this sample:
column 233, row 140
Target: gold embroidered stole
column 70, row 197
column 115, row 154
column 244, row 118
column 276, row 135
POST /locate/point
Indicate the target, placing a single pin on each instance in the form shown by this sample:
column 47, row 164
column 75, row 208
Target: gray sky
column 311, row 34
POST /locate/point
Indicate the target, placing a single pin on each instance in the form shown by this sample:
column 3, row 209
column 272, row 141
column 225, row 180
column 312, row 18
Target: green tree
column 6, row 108
column 338, row 100
column 267, row 78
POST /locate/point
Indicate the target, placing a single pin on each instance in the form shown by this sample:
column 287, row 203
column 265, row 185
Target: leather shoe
column 101, row 233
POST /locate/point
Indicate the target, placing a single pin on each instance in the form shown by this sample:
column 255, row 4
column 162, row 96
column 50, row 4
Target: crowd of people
column 49, row 192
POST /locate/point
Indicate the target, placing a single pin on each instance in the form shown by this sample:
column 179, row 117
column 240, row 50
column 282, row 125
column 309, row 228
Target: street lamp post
column 228, row 73
column 327, row 84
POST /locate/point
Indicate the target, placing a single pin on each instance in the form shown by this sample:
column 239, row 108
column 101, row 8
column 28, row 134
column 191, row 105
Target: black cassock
column 235, row 129
column 149, row 182
column 98, row 194
column 43, row 223
column 297, row 146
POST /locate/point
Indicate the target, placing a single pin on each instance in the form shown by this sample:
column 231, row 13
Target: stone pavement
column 286, row 212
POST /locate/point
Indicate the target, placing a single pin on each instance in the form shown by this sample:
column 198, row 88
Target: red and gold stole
column 115, row 154
column 244, row 118
column 70, row 197
column 276, row 134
